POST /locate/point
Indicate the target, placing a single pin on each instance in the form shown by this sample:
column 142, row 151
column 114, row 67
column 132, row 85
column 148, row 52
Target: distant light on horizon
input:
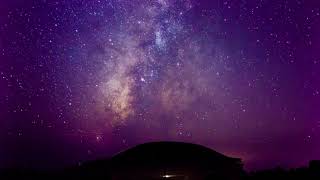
column 169, row 176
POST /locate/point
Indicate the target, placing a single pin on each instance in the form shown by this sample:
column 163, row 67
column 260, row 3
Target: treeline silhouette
column 303, row 173
column 312, row 172
column 165, row 160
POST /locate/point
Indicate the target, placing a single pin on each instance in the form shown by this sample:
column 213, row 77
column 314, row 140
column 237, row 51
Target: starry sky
column 81, row 80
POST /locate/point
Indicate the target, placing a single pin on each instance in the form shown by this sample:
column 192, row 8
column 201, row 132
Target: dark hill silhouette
column 169, row 160
column 166, row 160
column 164, row 152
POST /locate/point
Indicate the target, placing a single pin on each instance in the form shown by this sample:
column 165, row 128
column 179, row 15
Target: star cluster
column 83, row 80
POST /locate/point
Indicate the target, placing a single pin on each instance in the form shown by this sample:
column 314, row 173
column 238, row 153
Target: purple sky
column 83, row 80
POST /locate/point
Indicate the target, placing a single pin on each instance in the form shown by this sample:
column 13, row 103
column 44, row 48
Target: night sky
column 85, row 79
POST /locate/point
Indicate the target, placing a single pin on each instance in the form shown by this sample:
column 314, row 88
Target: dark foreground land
column 167, row 160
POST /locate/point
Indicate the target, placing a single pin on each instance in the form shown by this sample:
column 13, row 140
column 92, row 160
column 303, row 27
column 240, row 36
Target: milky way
column 83, row 80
